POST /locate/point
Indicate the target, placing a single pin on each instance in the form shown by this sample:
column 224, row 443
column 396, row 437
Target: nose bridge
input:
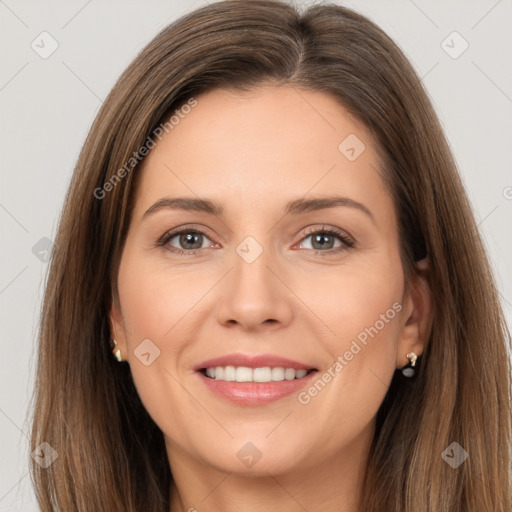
column 252, row 263
column 254, row 293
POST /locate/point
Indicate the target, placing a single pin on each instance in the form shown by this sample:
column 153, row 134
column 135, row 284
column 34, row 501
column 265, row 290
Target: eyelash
column 347, row 241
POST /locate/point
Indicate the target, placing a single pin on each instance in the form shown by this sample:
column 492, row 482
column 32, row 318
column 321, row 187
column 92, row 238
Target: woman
column 268, row 288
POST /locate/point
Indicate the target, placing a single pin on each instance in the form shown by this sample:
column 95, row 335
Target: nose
column 255, row 295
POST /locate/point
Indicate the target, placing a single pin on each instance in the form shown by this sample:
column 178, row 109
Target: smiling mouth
column 254, row 375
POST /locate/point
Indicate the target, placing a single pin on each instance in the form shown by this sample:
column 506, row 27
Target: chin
column 256, row 457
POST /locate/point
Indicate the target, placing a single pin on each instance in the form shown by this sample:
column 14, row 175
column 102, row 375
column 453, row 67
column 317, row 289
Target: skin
column 254, row 152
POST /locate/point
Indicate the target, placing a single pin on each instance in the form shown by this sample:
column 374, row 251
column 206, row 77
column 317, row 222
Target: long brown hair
column 110, row 452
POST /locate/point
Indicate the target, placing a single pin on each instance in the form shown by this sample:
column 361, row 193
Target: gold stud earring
column 408, row 370
column 117, row 353
column 412, row 358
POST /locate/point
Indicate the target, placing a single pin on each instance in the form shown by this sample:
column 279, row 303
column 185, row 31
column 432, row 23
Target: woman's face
column 298, row 270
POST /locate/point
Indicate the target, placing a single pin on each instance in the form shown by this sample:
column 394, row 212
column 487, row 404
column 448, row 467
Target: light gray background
column 47, row 106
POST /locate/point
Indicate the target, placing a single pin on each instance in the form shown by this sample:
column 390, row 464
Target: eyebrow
column 295, row 207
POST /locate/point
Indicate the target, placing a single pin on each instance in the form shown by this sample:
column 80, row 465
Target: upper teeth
column 245, row 374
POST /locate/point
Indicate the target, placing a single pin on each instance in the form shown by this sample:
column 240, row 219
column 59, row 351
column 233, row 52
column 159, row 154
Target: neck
column 334, row 485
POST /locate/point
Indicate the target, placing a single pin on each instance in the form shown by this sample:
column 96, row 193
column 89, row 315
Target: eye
column 324, row 240
column 188, row 240
column 328, row 240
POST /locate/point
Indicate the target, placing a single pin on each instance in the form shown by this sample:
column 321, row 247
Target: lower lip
column 255, row 393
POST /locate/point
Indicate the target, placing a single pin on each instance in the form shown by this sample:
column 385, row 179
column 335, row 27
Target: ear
column 417, row 310
column 116, row 323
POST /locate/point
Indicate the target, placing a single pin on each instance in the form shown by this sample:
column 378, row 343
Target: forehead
column 263, row 148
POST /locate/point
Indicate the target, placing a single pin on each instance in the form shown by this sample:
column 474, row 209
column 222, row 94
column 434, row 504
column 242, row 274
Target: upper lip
column 253, row 361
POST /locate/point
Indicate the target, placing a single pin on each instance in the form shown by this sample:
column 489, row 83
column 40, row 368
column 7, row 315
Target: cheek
column 363, row 309
column 154, row 299
column 360, row 303
column 151, row 307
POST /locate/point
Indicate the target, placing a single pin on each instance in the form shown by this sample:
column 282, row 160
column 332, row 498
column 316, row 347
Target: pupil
column 319, row 238
column 189, row 238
